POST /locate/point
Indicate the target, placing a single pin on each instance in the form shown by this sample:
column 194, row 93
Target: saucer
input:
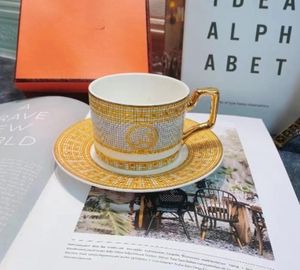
column 73, row 152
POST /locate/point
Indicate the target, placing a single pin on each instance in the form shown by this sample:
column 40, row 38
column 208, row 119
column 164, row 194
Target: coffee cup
column 138, row 119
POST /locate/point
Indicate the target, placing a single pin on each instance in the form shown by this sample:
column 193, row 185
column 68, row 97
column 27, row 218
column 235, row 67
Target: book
column 28, row 129
column 237, row 46
column 62, row 46
column 75, row 225
column 240, row 47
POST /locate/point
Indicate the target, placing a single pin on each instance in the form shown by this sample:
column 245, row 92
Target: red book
column 64, row 44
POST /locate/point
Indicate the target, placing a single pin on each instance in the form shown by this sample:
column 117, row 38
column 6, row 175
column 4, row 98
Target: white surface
column 42, row 240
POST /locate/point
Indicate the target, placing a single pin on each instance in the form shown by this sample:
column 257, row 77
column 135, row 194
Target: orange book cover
column 64, row 44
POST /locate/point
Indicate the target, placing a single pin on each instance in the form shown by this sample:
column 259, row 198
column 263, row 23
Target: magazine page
column 249, row 49
column 28, row 129
column 74, row 225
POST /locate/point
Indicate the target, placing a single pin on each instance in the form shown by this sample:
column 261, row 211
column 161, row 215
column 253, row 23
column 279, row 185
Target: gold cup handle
column 214, row 104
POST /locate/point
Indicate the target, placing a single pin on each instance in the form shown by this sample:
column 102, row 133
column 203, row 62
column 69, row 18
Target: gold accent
column 133, row 114
column 141, row 137
column 136, row 165
column 149, row 151
column 194, row 98
column 72, row 152
column 287, row 134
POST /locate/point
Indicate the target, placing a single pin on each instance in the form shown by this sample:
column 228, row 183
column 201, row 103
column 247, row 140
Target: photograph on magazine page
column 221, row 211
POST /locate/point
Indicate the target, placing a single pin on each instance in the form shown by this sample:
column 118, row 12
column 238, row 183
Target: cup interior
column 139, row 89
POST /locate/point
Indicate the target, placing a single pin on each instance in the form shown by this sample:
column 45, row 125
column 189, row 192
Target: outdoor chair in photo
column 260, row 226
column 173, row 202
column 216, row 205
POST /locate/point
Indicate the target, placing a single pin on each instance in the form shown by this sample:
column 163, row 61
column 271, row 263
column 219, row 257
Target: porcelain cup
column 138, row 119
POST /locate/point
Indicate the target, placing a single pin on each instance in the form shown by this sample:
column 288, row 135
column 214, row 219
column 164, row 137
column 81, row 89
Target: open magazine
column 250, row 220
column 28, row 130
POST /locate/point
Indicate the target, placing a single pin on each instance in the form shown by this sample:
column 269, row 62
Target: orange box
column 64, row 44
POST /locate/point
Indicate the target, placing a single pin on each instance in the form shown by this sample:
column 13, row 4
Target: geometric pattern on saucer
column 72, row 153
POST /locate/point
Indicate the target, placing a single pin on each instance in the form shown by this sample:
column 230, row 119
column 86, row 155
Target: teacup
column 138, row 119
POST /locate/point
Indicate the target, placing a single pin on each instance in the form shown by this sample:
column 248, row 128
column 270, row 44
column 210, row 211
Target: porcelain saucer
column 199, row 157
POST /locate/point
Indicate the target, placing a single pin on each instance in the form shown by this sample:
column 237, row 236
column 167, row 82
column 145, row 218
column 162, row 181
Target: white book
column 250, row 50
column 28, row 129
column 68, row 226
